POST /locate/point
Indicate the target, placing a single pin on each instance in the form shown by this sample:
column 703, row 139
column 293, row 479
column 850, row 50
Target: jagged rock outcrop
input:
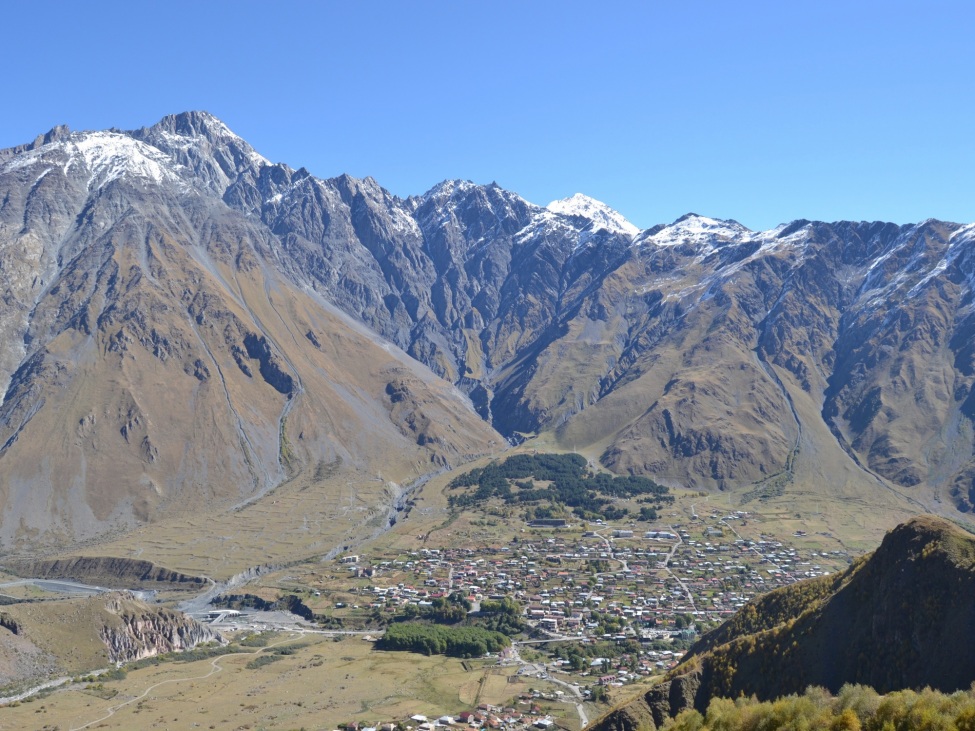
column 141, row 631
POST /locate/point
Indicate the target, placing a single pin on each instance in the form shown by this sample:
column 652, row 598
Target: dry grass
column 65, row 632
column 323, row 684
column 298, row 521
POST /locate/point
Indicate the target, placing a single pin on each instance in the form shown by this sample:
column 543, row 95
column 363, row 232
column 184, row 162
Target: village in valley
column 527, row 594
column 601, row 604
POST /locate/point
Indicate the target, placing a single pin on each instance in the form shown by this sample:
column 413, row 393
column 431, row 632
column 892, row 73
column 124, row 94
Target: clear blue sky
column 759, row 111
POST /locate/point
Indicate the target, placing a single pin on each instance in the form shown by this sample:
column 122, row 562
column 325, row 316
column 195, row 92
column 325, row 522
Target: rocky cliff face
column 112, row 572
column 141, row 632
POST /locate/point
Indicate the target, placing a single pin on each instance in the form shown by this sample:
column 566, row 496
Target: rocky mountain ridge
column 108, row 571
column 835, row 356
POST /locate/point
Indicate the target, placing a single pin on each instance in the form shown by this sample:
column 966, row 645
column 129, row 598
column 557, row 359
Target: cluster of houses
column 527, row 715
column 488, row 716
column 650, row 585
column 646, row 591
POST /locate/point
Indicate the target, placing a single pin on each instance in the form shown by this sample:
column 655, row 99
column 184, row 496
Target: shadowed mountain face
column 184, row 321
column 898, row 618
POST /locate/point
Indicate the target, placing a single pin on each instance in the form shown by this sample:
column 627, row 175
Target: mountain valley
column 228, row 377
column 187, row 326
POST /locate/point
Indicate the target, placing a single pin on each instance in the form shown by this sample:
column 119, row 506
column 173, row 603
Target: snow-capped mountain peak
column 448, row 189
column 598, row 212
column 694, row 229
column 203, row 125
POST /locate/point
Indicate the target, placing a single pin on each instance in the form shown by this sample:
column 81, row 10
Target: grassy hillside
column 898, row 618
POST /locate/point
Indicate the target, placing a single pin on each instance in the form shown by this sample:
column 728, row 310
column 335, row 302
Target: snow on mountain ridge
column 598, row 212
column 105, row 155
column 109, row 155
column 195, row 125
column 697, row 229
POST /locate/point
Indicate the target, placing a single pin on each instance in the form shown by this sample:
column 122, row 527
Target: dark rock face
column 678, row 694
column 259, row 349
column 287, row 603
column 110, row 571
column 632, row 717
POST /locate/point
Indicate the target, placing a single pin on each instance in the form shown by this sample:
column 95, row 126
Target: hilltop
column 897, row 618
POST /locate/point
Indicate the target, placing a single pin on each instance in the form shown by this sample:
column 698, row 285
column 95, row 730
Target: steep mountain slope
column 186, row 325
column 700, row 352
column 729, row 333
column 157, row 359
column 898, row 618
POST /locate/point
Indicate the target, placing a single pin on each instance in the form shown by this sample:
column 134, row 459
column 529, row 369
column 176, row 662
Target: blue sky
column 759, row 111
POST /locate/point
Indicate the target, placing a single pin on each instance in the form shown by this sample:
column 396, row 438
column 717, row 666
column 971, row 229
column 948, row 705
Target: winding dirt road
column 215, row 667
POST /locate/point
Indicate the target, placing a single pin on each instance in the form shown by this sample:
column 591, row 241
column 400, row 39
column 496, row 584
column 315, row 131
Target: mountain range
column 186, row 325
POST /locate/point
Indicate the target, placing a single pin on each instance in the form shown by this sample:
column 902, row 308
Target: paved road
column 673, row 550
column 58, row 586
column 542, row 672
column 609, row 550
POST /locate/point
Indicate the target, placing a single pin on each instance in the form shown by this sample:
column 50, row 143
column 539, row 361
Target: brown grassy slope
column 689, row 402
column 901, row 617
column 190, row 379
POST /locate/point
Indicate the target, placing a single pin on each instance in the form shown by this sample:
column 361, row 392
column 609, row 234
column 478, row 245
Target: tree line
column 854, row 708
column 438, row 639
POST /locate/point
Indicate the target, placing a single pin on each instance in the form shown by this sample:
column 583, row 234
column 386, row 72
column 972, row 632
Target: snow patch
column 601, row 215
column 105, row 156
column 110, row 155
column 700, row 230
